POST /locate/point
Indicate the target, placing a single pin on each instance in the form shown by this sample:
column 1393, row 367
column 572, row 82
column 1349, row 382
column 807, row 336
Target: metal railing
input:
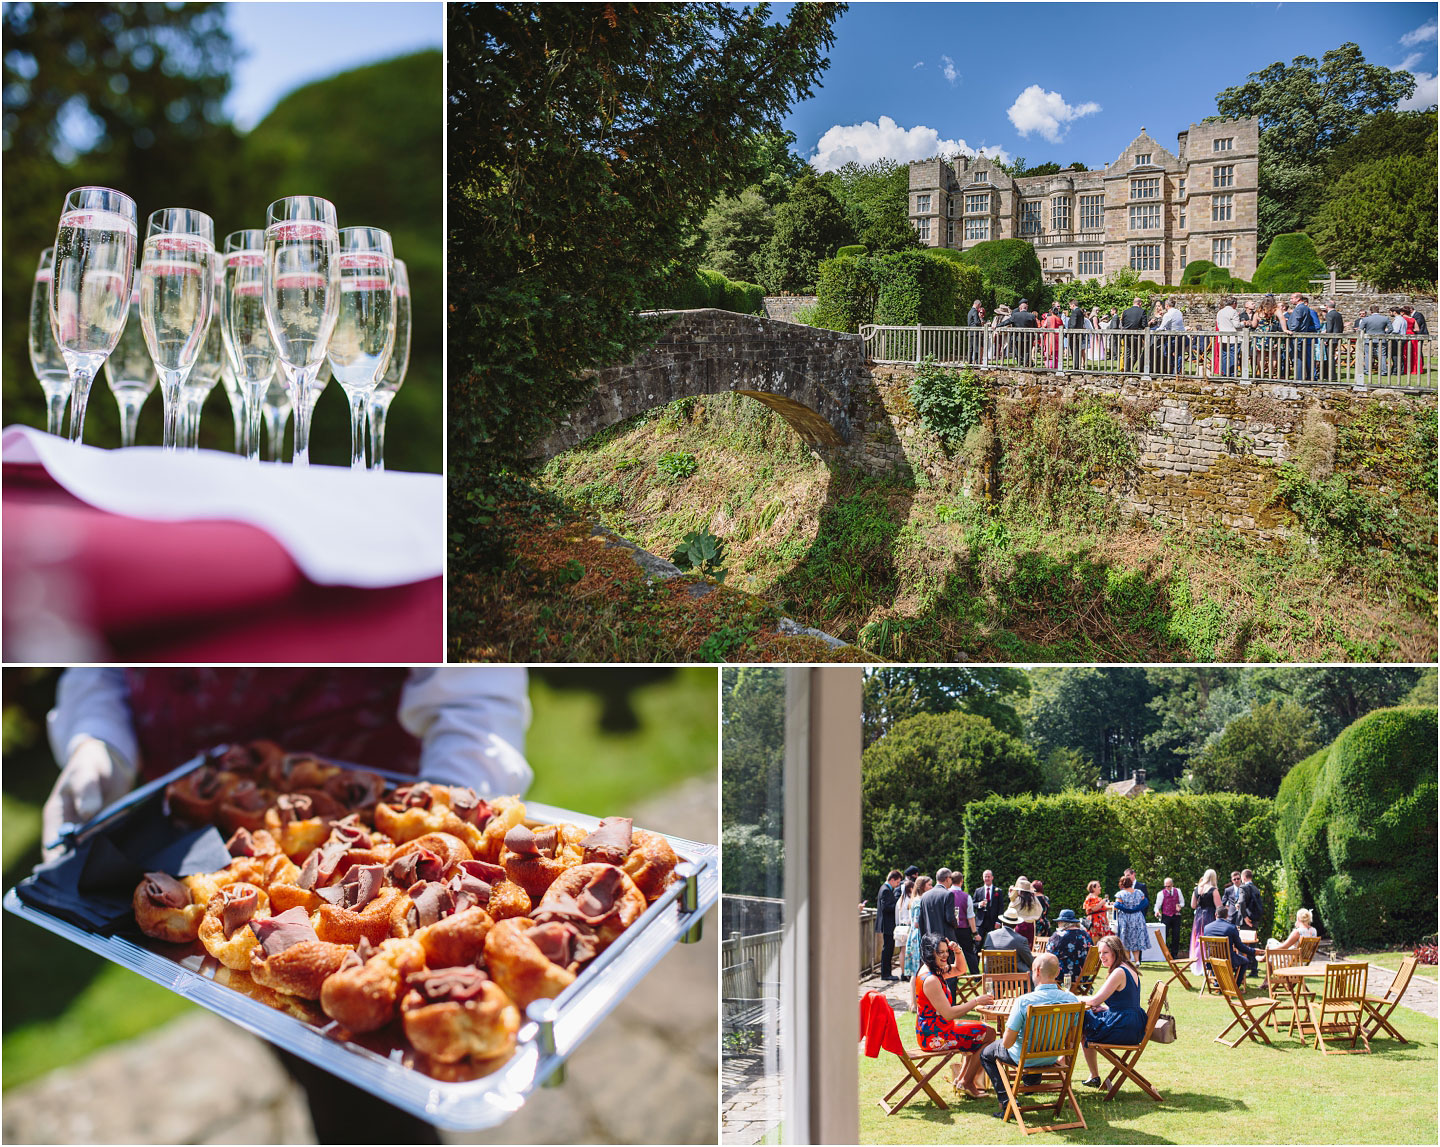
column 1249, row 356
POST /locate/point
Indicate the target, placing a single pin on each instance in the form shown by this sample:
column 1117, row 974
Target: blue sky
column 286, row 45
column 1072, row 81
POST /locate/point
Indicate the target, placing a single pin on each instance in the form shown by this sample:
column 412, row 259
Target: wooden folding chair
column 1309, row 945
column 1050, row 1030
column 1085, row 981
column 1379, row 1008
column 1295, row 993
column 1213, row 948
column 1340, row 1010
column 1177, row 971
column 1126, row 1056
column 1250, row 1014
column 880, row 1032
column 997, row 960
column 1006, row 985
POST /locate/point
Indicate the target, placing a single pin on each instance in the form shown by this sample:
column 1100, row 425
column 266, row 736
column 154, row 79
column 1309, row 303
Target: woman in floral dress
column 936, row 1012
column 1096, row 907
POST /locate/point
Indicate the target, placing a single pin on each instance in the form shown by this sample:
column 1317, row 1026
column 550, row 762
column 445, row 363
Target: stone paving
column 648, row 1074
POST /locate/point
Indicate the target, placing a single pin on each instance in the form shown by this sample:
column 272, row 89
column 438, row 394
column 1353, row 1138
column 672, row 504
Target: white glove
column 94, row 776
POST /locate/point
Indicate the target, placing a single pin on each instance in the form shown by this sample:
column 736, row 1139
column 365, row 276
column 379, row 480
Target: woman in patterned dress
column 936, row 1012
column 1130, row 905
column 1096, row 907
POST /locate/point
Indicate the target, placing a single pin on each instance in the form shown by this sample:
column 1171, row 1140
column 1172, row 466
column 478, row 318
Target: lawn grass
column 1288, row 1093
column 61, row 1002
column 914, row 570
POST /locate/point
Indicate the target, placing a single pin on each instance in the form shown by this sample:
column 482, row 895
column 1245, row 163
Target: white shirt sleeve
column 92, row 703
column 472, row 723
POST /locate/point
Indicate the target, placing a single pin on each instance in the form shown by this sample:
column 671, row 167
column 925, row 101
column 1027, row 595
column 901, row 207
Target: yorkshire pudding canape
column 651, row 863
column 533, row 859
column 452, row 1013
column 290, row 958
column 595, row 897
column 224, row 929
column 164, row 909
column 364, row 995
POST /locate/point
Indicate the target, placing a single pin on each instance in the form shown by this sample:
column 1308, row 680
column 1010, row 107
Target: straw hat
column 1009, row 917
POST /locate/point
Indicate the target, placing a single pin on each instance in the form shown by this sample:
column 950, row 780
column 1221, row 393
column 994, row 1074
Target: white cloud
column 1409, row 62
column 866, row 142
column 1425, row 94
column 918, row 64
column 1037, row 110
column 948, row 69
column 1426, row 31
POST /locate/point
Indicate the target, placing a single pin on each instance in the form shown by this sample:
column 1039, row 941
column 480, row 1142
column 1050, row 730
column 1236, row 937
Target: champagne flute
column 208, row 365
column 94, row 270
column 247, row 334
column 129, row 371
column 276, row 406
column 364, row 332
column 45, row 358
column 394, row 369
column 177, row 294
column 302, row 298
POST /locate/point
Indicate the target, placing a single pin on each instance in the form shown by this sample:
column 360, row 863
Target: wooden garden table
column 997, row 1012
column 1293, row 978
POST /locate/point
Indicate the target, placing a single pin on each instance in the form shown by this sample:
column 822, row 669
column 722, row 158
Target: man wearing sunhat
column 1005, row 938
column 1070, row 944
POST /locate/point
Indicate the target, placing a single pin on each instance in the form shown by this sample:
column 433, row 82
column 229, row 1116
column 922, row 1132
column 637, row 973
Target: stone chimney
column 1139, row 776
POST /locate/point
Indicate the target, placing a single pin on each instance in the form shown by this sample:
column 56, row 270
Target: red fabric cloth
column 345, row 714
column 881, row 1031
column 197, row 591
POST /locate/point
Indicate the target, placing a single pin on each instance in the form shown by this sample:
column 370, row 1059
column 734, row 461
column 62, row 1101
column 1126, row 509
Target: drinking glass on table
column 45, row 358
column 129, row 371
column 276, row 408
column 302, row 298
column 206, row 372
column 94, row 269
column 364, row 334
column 177, row 295
column 395, row 368
column 248, row 345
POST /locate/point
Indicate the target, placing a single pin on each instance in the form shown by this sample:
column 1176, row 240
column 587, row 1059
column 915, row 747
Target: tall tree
column 736, row 233
column 1377, row 222
column 809, row 227
column 1103, row 713
column 586, row 144
column 876, row 200
column 894, row 694
column 1182, row 702
column 1257, row 749
column 1340, row 695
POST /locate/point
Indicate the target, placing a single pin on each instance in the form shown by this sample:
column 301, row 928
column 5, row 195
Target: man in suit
column 1334, row 325
column 988, row 902
column 1139, row 884
column 1373, row 351
column 1242, row 956
column 1303, row 321
column 1024, row 318
column 1230, row 896
column 965, row 924
column 885, row 901
column 1132, row 318
column 1250, row 903
column 1075, row 322
column 937, row 909
column 975, row 341
column 1005, row 939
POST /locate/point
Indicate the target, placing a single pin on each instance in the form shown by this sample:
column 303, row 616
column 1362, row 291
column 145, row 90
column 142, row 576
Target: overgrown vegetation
column 950, row 402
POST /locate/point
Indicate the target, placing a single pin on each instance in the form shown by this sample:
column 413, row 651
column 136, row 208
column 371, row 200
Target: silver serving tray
column 550, row 1033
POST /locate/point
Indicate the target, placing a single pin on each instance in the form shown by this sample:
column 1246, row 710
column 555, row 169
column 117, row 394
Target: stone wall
column 783, row 307
column 1207, row 448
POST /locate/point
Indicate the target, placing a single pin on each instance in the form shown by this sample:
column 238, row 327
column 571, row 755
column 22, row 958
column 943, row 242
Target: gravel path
column 649, row 1073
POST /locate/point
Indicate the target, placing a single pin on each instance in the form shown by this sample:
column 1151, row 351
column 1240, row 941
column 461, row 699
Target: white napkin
column 341, row 528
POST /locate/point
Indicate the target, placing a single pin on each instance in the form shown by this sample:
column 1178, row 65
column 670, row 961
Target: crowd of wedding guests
column 945, row 927
column 1384, row 343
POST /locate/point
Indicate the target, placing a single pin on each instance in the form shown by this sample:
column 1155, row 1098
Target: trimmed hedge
column 1011, row 271
column 850, row 250
column 709, row 288
column 1196, row 270
column 1366, row 844
column 1289, row 264
column 1073, row 838
column 903, row 288
column 969, row 282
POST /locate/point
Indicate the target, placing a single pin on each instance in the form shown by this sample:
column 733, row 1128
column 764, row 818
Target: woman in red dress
column 936, row 1011
column 1096, row 908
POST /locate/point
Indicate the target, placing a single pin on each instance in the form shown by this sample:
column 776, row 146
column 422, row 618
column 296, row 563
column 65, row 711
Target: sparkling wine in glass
column 302, row 298
column 94, row 270
column 364, row 332
column 203, row 377
column 395, row 368
column 129, row 371
column 45, row 358
column 177, row 294
column 248, row 346
column 276, row 407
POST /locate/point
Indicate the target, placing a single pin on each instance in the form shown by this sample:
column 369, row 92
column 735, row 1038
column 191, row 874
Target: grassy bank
column 913, row 571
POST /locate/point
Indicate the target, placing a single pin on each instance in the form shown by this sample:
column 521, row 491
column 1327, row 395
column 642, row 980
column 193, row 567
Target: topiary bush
column 846, row 293
column 1217, row 280
column 1196, row 270
column 1011, row 271
column 850, row 249
column 912, row 288
column 1289, row 264
column 744, row 298
column 707, row 288
column 917, row 781
column 969, row 282
column 1366, row 844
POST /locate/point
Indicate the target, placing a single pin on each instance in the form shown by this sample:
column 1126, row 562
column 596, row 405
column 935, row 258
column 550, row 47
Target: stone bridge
column 812, row 378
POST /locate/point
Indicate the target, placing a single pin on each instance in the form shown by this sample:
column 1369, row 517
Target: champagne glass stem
column 254, row 399
column 80, row 397
column 237, row 418
column 378, row 410
column 55, row 412
column 192, row 424
column 170, row 392
column 359, row 402
column 129, row 416
column 275, row 431
column 302, row 424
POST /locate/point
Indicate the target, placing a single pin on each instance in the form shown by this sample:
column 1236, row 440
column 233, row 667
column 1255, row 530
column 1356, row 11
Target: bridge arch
column 810, row 377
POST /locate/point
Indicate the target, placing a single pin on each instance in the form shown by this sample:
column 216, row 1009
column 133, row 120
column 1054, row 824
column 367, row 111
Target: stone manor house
column 1151, row 210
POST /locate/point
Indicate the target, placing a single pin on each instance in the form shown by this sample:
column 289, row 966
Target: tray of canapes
column 442, row 951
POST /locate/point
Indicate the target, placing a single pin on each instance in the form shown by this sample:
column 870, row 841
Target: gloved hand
column 94, row 777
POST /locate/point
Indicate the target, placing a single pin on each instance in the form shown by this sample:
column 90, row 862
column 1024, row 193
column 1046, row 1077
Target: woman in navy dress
column 1113, row 1014
column 1206, row 902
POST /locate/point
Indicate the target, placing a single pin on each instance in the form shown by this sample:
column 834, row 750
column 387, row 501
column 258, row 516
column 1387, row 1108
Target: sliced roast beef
column 357, row 888
column 277, row 933
column 164, row 891
column 351, row 831
column 418, row 795
column 238, row 907
column 449, row 985
column 247, row 796
column 470, row 807
column 610, row 842
column 431, row 902
column 294, row 806
column 418, row 865
column 564, row 944
column 241, row 843
column 592, row 905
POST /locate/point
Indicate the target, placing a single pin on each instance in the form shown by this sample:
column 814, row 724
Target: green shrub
column 913, row 288
column 1217, row 280
column 1289, row 264
column 707, row 288
column 846, row 293
column 753, row 862
column 851, row 249
column 676, row 464
column 1366, row 845
column 744, row 298
column 1069, row 839
column 1011, row 271
column 969, row 282
column 1054, row 453
column 701, row 552
column 918, row 780
column 1196, row 270
column 949, row 402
